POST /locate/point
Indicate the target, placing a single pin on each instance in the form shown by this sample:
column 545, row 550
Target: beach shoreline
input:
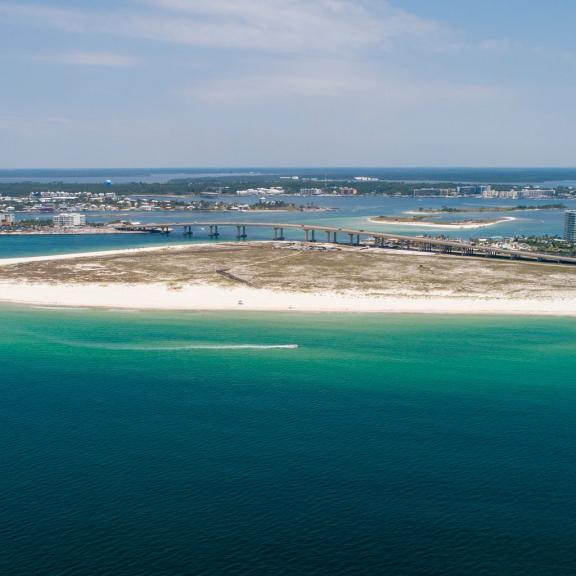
column 211, row 297
column 445, row 226
column 100, row 253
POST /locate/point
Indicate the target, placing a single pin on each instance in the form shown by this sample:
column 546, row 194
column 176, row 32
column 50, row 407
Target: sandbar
column 443, row 225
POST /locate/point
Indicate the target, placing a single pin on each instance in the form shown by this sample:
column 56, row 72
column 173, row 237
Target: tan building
column 7, row 219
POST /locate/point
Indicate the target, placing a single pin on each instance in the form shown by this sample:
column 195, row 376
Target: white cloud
column 105, row 59
column 274, row 25
column 336, row 79
column 292, row 25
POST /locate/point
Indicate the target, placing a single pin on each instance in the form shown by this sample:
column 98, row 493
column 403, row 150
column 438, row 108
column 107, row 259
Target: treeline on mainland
column 226, row 184
column 549, row 244
column 519, row 208
column 223, row 185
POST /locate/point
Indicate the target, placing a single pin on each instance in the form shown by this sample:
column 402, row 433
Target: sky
column 271, row 83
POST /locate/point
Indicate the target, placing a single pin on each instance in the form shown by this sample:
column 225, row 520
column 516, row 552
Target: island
column 424, row 221
column 479, row 209
column 290, row 276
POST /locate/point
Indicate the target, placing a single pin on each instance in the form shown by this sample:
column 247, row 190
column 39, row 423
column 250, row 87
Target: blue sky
column 131, row 83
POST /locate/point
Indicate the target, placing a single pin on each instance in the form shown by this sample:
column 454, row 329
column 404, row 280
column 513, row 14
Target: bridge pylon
column 241, row 232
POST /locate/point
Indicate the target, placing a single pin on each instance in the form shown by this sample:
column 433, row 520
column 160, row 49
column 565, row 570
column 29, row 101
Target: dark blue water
column 559, row 176
column 395, row 446
column 118, row 175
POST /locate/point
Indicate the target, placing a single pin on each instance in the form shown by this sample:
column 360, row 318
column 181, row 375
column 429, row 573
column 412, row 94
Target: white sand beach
column 76, row 255
column 207, row 296
column 210, row 297
column 445, row 225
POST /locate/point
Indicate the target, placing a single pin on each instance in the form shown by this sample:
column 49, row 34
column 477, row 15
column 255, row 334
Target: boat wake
column 170, row 347
column 152, row 346
column 177, row 348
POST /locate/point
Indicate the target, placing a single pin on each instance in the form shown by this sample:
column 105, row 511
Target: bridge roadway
column 382, row 239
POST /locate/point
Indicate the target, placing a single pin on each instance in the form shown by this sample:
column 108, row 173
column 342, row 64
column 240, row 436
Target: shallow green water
column 149, row 443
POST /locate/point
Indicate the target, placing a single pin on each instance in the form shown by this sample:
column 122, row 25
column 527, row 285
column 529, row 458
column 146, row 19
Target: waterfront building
column 427, row 192
column 537, row 193
column 501, row 194
column 473, row 190
column 311, row 191
column 53, row 195
column 272, row 191
column 7, row 219
column 346, row 191
column 491, row 194
column 69, row 219
column 525, row 193
column 570, row 226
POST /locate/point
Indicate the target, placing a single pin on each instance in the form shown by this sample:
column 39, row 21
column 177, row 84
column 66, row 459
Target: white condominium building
column 67, row 219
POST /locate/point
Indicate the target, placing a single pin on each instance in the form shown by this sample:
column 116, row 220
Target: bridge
column 353, row 236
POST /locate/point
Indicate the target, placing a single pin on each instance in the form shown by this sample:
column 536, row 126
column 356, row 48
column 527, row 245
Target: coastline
column 73, row 232
column 466, row 226
column 74, row 255
column 209, row 297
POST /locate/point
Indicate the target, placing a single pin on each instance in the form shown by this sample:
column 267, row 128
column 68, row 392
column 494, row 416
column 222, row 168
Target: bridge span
column 353, row 236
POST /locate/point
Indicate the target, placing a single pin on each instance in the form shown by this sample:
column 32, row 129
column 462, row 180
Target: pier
column 357, row 237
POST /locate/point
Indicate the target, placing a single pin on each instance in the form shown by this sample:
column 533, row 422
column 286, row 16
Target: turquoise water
column 150, row 443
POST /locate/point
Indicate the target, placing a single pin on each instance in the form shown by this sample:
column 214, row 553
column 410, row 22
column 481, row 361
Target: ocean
column 207, row 444
column 502, row 175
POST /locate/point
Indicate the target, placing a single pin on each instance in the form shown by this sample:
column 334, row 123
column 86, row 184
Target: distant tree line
column 227, row 184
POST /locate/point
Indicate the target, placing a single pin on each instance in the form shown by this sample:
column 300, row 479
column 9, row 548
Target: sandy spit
column 467, row 226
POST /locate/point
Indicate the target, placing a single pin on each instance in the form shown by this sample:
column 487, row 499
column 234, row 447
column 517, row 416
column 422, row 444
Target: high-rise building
column 67, row 219
column 473, row 190
column 536, row 193
column 570, row 226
